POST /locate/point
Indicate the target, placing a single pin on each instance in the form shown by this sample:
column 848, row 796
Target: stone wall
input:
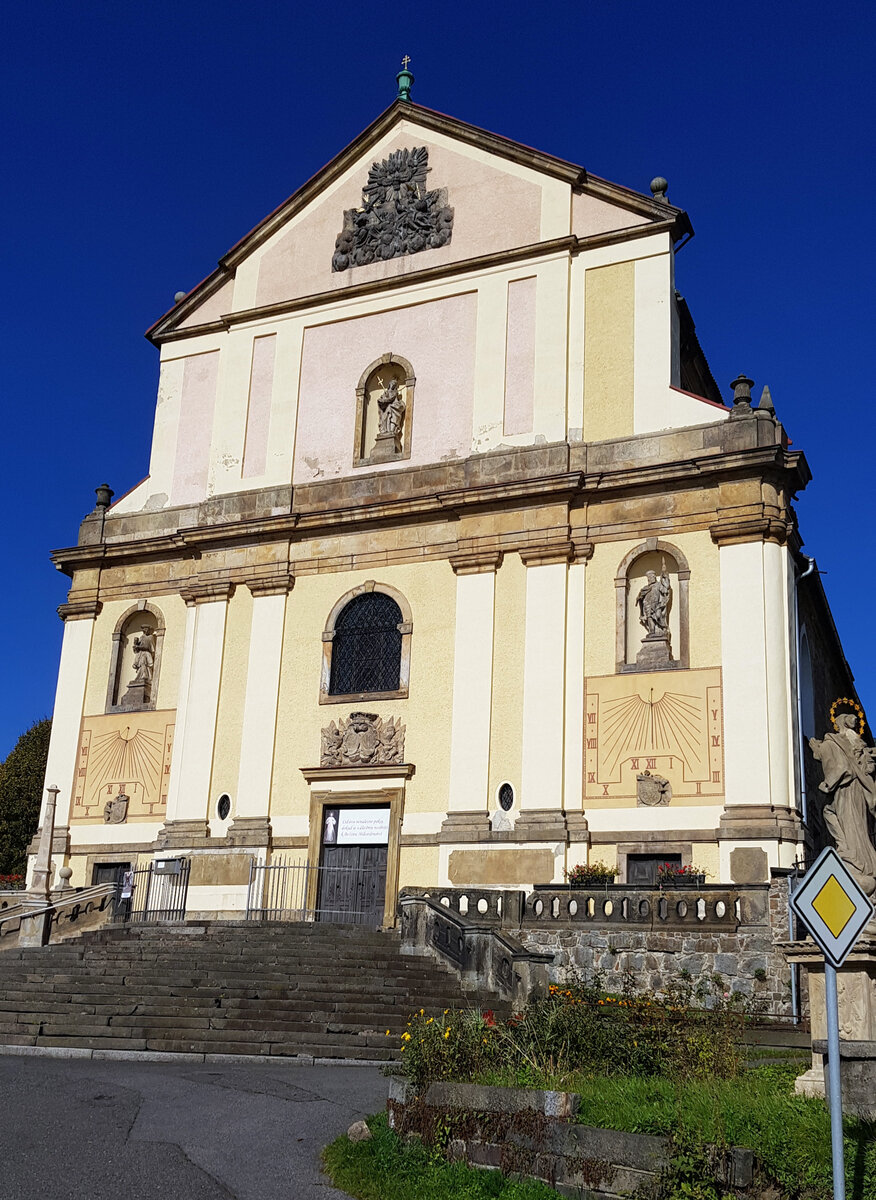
column 744, row 953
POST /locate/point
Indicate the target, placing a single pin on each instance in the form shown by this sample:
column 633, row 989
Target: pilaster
column 197, row 706
column 260, row 706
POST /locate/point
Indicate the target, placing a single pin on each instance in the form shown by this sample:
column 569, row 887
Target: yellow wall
column 609, row 332
column 430, row 589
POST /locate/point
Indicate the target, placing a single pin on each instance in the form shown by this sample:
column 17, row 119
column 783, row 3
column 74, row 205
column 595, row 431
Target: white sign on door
column 363, row 827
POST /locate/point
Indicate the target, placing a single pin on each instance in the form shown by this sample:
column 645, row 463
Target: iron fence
column 295, row 890
column 156, row 892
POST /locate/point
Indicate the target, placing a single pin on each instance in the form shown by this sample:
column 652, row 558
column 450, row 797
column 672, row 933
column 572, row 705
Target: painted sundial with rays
column 666, row 723
column 124, row 753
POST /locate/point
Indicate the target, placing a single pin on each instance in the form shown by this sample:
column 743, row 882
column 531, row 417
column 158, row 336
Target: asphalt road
column 78, row 1129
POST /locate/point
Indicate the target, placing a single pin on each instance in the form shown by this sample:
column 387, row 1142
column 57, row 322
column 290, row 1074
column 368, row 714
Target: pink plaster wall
column 520, row 356
column 213, row 308
column 195, row 429
column 258, row 416
column 438, row 339
column 492, row 211
column 590, row 216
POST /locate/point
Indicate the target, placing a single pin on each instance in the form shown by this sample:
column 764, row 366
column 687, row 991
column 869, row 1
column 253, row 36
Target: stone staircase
column 223, row 988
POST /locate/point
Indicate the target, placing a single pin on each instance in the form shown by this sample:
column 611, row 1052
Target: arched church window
column 135, row 659
column 366, row 645
column 652, row 608
column 384, row 412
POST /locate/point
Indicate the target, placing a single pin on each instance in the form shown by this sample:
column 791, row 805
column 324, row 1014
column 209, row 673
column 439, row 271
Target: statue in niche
column 849, row 768
column 652, row 791
column 654, row 602
column 139, row 690
column 364, row 740
column 391, row 408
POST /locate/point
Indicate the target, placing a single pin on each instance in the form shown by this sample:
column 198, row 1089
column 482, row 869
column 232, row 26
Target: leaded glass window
column 366, row 649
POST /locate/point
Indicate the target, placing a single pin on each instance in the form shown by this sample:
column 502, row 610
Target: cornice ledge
column 204, row 591
column 569, row 483
column 278, row 584
column 385, row 771
column 79, row 610
column 476, row 562
column 734, row 530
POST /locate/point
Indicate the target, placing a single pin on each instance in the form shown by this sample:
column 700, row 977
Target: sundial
column 123, row 752
column 667, row 723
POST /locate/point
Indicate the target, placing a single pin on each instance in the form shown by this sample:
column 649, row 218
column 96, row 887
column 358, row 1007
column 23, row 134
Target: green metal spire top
column 404, row 79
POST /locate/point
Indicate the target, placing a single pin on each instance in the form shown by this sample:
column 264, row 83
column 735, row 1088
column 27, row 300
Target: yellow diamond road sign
column 832, row 905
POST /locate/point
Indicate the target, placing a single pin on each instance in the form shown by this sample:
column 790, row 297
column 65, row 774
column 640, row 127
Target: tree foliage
column 21, row 788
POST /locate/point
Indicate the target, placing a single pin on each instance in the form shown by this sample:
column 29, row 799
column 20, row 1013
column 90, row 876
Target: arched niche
column 632, row 576
column 135, row 660
column 383, row 431
column 405, row 629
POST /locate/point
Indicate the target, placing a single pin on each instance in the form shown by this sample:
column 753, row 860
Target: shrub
column 691, row 1033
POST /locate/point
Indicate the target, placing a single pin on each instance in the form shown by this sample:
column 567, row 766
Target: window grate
column 366, row 649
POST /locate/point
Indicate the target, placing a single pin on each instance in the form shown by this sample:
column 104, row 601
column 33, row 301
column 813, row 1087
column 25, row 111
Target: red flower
column 489, row 1017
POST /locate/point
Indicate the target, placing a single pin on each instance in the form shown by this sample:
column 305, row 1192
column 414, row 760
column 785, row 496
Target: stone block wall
column 746, row 957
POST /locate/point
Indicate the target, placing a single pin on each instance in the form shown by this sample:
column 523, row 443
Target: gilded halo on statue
column 853, row 704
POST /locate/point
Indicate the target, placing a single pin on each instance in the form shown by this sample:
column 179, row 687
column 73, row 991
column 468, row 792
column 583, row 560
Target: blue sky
column 139, row 142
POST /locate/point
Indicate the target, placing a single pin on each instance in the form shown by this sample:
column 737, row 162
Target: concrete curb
column 166, row 1056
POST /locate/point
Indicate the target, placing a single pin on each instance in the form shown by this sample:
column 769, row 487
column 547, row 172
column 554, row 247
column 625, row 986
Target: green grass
column 789, row 1134
column 384, row 1168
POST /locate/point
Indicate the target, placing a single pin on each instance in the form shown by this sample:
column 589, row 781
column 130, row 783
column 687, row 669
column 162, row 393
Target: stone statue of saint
column 392, row 406
column 849, row 767
column 144, row 655
column 654, row 601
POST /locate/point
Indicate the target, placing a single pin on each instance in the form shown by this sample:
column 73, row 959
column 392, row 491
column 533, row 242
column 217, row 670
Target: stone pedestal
column 856, row 995
column 655, row 652
column 387, row 446
column 137, row 695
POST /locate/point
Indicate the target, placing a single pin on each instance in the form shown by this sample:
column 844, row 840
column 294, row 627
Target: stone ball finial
column 659, row 187
column 64, row 874
column 104, row 495
column 742, row 386
column 177, row 296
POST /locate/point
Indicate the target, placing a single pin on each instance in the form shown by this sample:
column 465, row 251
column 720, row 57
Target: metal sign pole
column 834, row 1083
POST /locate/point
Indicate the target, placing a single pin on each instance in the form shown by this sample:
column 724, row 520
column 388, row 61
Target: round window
column 223, row 808
column 506, row 796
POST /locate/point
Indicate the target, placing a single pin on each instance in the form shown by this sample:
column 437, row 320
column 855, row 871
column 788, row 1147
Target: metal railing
column 287, row 889
column 156, row 892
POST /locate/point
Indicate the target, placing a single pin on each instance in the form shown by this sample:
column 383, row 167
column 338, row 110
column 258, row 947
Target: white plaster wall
column 260, row 711
column 67, row 716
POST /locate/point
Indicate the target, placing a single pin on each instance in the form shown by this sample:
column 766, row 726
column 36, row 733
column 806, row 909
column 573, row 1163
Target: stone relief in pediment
column 399, row 214
column 363, row 740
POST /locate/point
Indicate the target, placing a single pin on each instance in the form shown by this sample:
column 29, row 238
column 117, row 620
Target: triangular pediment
column 481, row 195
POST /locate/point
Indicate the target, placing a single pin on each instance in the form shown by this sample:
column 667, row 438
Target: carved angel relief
column 399, row 215
column 363, row 740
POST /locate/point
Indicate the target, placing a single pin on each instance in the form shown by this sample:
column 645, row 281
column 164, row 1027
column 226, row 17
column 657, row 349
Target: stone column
column 758, row 729
column 251, row 825
column 188, row 790
column 544, row 685
column 78, row 618
column 467, row 818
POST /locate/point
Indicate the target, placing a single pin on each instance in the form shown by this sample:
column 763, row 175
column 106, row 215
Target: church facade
column 450, row 558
